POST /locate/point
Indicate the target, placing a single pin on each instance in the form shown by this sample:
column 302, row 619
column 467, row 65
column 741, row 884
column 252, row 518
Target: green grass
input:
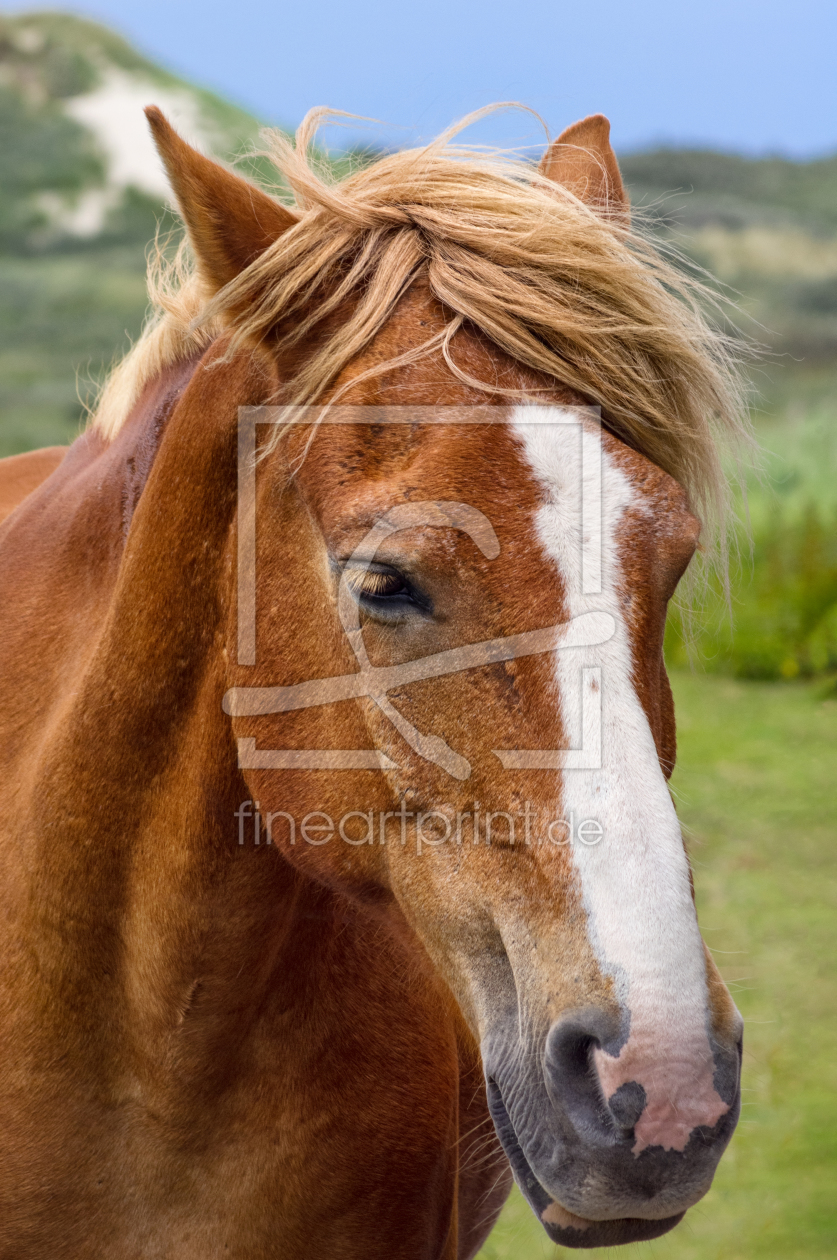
column 63, row 320
column 755, row 788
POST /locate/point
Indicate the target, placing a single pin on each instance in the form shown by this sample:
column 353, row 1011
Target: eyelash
column 385, row 593
column 377, row 585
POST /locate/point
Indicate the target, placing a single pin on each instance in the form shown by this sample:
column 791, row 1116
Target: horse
column 21, row 474
column 341, row 880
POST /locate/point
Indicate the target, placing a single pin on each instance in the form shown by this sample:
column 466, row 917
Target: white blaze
column 635, row 882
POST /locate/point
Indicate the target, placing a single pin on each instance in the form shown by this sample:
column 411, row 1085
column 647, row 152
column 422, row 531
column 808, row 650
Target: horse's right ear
column 230, row 221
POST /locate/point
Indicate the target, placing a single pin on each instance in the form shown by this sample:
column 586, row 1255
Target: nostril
column 573, row 1082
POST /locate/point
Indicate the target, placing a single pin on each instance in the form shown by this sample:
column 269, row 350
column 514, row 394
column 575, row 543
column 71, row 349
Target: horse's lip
column 563, row 1226
column 523, row 1172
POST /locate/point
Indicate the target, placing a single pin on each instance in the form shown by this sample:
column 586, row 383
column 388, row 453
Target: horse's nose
column 604, row 1107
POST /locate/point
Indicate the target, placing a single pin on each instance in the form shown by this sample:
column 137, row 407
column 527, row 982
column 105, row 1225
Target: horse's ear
column 230, row 221
column 582, row 160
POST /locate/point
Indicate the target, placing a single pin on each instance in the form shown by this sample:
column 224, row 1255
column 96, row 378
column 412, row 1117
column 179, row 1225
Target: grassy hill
column 81, row 196
column 700, row 186
column 77, row 161
column 767, row 228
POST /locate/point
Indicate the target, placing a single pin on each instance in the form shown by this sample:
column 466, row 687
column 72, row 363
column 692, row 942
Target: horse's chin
column 562, row 1226
column 568, row 1230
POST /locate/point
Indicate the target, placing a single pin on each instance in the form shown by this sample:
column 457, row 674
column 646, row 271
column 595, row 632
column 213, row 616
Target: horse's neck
column 133, row 905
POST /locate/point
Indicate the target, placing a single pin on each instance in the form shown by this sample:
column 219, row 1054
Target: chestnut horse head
column 469, row 478
column 445, row 550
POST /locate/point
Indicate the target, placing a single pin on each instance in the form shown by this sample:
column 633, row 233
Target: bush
column 783, row 621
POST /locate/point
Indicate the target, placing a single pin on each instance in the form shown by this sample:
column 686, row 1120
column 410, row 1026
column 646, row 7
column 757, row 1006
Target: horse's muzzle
column 572, row 1150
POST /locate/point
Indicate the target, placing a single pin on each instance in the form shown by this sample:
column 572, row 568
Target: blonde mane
column 555, row 283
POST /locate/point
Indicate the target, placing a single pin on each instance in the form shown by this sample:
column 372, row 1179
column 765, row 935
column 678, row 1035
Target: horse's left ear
column 230, row 221
column 582, row 160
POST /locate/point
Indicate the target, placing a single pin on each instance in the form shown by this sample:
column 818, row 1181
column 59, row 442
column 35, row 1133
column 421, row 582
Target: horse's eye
column 379, row 585
column 384, row 592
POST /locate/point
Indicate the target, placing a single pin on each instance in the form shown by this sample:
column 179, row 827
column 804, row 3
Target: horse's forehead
column 357, row 472
column 380, row 375
column 364, row 468
column 360, row 470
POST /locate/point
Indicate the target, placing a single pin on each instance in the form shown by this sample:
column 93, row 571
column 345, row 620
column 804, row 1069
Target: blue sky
column 755, row 77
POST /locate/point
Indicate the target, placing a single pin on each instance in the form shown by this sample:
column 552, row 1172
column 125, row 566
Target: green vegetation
column 783, row 618
column 698, row 186
column 42, row 149
column 766, row 228
column 70, row 305
column 63, row 318
column 755, row 790
column 49, row 159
